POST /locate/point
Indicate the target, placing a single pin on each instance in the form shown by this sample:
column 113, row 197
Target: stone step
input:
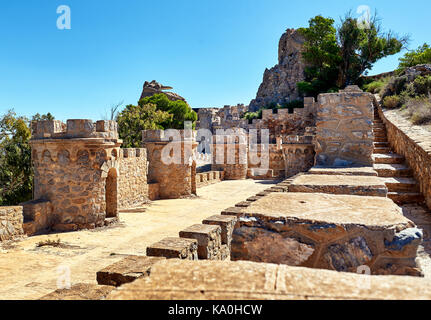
column 380, row 139
column 381, row 144
column 208, row 237
column 379, row 128
column 338, row 184
column 399, row 184
column 380, row 134
column 388, row 158
column 172, row 248
column 379, row 125
column 226, row 223
column 126, row 270
column 406, row 197
column 392, row 170
column 381, row 150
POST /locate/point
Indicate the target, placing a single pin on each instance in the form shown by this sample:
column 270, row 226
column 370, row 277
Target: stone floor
column 30, row 272
column 339, row 184
column 328, row 231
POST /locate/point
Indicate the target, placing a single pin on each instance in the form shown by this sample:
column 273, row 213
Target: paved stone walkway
column 29, row 272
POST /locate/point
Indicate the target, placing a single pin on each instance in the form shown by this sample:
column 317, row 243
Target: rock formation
column 279, row 82
column 153, row 87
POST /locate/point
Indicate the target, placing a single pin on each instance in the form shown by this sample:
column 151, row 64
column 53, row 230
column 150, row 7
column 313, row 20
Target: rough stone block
column 339, row 184
column 127, row 270
column 336, row 232
column 208, row 238
column 226, row 223
column 349, row 171
column 233, row 211
column 172, row 248
column 80, row 291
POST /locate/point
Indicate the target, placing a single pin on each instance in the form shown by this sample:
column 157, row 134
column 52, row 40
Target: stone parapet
column 412, row 142
column 74, row 129
column 244, row 280
column 344, row 135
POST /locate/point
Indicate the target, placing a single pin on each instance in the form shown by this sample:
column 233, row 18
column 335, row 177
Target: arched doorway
column 111, row 194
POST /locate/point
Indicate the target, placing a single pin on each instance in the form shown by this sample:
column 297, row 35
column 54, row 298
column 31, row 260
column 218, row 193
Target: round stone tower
column 76, row 170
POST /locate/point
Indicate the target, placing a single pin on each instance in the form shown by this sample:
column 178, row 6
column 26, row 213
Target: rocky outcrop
column 153, row 87
column 279, row 82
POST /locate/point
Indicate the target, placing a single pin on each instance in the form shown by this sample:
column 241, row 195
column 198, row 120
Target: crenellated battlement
column 165, row 136
column 74, row 129
column 133, row 153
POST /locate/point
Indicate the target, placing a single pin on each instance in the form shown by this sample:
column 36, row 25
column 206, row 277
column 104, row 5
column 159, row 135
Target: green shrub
column 420, row 56
column 377, row 85
column 392, row 102
column 422, row 85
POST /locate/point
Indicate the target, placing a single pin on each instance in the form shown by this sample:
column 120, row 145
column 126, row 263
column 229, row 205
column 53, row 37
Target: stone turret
column 75, row 168
column 171, row 162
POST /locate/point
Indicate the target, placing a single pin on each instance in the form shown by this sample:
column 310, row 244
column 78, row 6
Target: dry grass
column 49, row 242
column 419, row 110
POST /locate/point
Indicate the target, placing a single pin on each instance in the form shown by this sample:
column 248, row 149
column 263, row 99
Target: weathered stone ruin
column 279, row 82
column 153, row 87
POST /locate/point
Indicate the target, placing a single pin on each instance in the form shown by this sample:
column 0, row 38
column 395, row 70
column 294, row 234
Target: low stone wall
column 412, row 142
column 209, row 177
column 37, row 216
column 11, row 219
column 132, row 179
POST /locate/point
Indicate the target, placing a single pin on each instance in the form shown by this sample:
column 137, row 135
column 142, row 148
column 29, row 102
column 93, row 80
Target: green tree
column 321, row 55
column 179, row 110
column 338, row 57
column 421, row 55
column 16, row 176
column 38, row 117
column 133, row 119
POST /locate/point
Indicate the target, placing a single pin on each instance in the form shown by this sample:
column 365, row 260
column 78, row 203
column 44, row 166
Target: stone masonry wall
column 344, row 135
column 175, row 180
column 72, row 164
column 69, row 178
column 11, row 220
column 414, row 143
column 132, row 179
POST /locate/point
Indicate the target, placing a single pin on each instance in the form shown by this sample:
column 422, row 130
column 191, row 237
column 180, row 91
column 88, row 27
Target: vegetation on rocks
column 421, row 55
column 410, row 88
column 337, row 57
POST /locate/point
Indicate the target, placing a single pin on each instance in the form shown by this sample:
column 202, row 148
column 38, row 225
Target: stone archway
column 111, row 193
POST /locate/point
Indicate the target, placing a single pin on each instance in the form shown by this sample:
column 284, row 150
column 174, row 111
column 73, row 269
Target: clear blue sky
column 212, row 52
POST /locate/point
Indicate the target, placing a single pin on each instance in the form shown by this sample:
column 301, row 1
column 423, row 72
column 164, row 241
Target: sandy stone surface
column 339, row 184
column 339, row 209
column 176, row 279
column 356, row 171
column 30, row 272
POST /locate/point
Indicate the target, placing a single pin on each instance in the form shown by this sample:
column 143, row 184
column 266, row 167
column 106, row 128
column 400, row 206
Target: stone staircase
column 398, row 177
